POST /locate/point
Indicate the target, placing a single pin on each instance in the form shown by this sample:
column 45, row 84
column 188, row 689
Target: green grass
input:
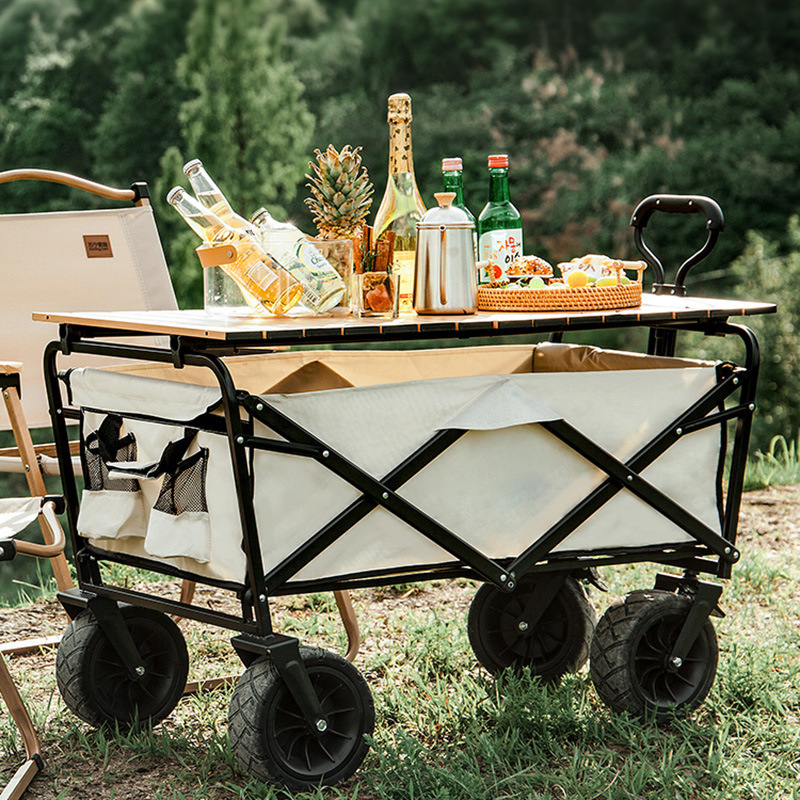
column 779, row 465
column 446, row 730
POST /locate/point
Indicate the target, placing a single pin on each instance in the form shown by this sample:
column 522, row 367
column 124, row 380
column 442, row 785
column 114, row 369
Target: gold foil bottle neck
column 399, row 108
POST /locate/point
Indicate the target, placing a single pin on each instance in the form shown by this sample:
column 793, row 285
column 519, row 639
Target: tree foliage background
column 598, row 105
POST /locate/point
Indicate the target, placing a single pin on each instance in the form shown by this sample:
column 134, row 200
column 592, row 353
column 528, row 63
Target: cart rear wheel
column 557, row 644
column 630, row 653
column 96, row 685
column 272, row 740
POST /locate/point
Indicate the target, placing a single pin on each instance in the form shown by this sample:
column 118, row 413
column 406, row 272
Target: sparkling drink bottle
column 401, row 207
column 266, row 286
column 323, row 288
column 453, row 182
column 499, row 224
column 210, row 195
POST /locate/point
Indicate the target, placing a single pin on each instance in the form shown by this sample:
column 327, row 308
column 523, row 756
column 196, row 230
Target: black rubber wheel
column 272, row 740
column 630, row 654
column 557, row 644
column 96, row 686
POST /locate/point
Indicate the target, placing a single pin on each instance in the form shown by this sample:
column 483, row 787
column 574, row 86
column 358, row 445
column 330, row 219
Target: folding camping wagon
column 226, row 459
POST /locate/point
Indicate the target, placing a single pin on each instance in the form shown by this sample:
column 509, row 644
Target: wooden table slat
column 197, row 324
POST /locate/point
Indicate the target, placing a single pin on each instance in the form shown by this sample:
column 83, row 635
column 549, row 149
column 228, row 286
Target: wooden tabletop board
column 197, row 324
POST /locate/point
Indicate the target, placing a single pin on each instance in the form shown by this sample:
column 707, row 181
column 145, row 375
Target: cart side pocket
column 179, row 523
column 110, row 507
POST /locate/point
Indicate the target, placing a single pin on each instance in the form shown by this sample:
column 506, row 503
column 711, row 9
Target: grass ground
column 446, row 730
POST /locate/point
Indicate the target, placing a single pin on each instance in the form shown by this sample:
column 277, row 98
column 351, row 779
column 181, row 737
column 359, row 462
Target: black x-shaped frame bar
column 621, row 475
column 709, row 410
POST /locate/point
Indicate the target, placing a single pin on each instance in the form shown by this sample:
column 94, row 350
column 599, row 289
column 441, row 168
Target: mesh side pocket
column 184, row 490
column 123, row 449
column 110, row 508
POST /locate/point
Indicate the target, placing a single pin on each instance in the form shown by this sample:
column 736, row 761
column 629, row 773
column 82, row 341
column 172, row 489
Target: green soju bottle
column 451, row 175
column 499, row 225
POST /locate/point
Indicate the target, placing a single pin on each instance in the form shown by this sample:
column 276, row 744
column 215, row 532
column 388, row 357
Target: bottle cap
column 192, row 165
column 175, row 194
column 260, row 215
column 451, row 165
column 399, row 108
column 498, row 161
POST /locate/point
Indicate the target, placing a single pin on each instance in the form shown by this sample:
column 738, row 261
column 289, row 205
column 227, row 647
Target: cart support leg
column 706, row 595
column 547, row 587
column 284, row 652
column 661, row 342
column 113, row 625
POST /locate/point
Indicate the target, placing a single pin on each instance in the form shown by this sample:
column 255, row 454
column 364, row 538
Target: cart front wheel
column 272, row 740
column 558, row 643
column 630, row 657
column 95, row 683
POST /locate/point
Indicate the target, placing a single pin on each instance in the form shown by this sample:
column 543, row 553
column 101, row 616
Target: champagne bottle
column 401, row 207
column 453, row 182
column 499, row 224
column 265, row 285
column 323, row 287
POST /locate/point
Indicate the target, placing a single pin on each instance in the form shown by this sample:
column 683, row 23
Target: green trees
column 769, row 269
column 139, row 118
column 597, row 106
column 243, row 114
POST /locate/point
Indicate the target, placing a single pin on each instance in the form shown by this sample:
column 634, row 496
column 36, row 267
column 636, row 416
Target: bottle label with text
column 404, row 261
column 499, row 248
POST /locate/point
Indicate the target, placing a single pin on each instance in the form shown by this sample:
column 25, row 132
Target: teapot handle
column 443, row 265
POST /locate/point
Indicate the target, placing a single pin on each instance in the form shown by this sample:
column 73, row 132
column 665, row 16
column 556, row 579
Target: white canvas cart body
column 525, row 467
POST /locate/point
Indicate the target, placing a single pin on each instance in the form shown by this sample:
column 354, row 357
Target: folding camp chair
column 104, row 259
column 15, row 515
column 99, row 260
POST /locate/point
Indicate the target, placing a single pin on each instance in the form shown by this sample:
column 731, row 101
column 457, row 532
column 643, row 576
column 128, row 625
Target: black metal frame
column 709, row 553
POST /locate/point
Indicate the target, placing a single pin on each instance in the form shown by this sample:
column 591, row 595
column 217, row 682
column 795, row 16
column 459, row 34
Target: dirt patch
column 770, row 519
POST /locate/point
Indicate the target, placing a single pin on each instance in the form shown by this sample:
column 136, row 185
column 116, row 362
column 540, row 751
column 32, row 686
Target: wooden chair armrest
column 68, row 180
column 48, row 514
column 10, row 367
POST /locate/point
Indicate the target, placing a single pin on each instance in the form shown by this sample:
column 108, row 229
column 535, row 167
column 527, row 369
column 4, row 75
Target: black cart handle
column 676, row 204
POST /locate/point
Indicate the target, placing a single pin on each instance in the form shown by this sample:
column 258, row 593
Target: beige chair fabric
column 72, row 261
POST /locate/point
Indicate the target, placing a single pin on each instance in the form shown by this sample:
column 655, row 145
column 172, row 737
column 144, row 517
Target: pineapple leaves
column 341, row 191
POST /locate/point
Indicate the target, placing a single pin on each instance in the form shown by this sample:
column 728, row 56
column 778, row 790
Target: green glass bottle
column 499, row 225
column 453, row 182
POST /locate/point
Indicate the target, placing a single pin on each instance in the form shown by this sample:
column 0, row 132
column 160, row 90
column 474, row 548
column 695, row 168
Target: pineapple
column 341, row 197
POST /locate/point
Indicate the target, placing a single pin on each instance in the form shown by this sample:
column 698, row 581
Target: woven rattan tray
column 586, row 298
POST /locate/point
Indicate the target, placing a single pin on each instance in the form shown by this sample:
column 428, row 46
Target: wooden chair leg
column 350, row 622
column 33, row 475
column 26, row 772
column 187, row 591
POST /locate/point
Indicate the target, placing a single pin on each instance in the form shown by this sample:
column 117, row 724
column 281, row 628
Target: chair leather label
column 98, row 247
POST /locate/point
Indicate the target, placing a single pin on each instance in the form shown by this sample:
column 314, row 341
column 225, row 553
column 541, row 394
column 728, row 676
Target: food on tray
column 584, row 277
column 600, row 266
column 526, row 266
column 577, row 278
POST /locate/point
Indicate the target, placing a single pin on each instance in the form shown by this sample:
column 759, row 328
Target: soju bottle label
column 499, row 248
